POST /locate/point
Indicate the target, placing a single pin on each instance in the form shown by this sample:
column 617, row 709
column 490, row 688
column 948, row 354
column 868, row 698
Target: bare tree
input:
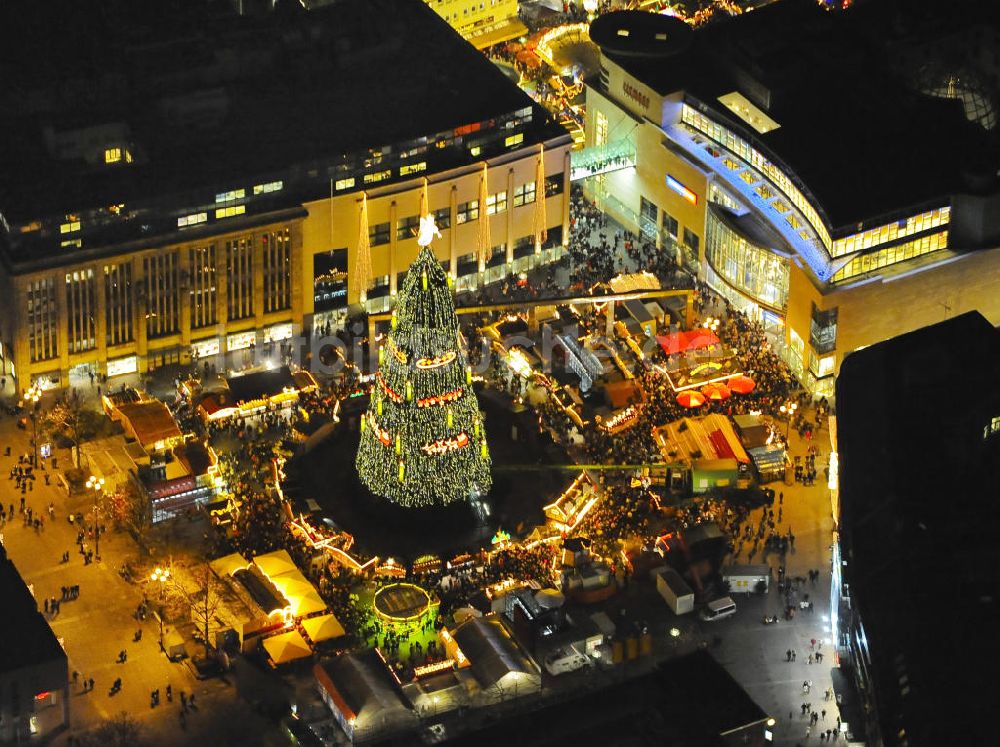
column 120, row 730
column 203, row 600
column 71, row 420
column 131, row 508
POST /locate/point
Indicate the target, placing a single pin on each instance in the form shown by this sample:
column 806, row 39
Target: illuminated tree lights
column 422, row 440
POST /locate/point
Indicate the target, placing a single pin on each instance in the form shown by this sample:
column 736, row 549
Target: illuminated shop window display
column 757, row 272
column 122, row 366
column 241, row 340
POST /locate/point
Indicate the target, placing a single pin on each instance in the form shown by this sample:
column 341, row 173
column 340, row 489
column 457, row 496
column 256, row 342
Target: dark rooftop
column 206, row 101
column 259, row 384
column 919, row 471
column 689, row 701
column 27, row 638
column 853, row 127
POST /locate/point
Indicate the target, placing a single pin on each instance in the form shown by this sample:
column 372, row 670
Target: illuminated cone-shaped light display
column 423, row 441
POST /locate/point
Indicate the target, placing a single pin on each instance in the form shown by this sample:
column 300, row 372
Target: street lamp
column 97, row 485
column 31, row 398
column 161, row 575
column 788, row 410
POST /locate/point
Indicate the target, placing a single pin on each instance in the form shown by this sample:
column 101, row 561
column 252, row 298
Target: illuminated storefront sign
column 278, row 332
column 683, row 191
column 635, row 95
column 120, row 366
column 205, row 348
column 241, row 340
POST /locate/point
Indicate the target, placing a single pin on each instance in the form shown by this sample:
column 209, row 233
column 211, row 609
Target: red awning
column 682, row 342
column 691, row 398
column 721, row 444
column 741, row 384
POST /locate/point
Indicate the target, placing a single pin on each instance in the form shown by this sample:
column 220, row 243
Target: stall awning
column 510, row 30
column 681, row 342
column 323, row 628
column 287, row 647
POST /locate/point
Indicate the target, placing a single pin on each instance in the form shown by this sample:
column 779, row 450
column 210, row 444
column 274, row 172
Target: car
column 718, row 609
column 565, row 660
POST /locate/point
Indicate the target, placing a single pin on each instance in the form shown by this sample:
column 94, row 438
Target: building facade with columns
column 814, row 168
column 199, row 205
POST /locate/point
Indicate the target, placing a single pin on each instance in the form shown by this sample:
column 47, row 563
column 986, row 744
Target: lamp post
column 788, row 410
column 31, row 398
column 161, row 575
column 97, row 485
column 712, row 325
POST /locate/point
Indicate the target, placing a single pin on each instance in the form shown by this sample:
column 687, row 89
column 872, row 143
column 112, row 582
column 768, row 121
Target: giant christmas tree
column 422, row 439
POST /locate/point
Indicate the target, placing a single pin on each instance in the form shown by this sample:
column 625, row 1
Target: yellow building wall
column 886, row 307
column 149, row 351
column 654, row 162
column 468, row 17
column 335, row 224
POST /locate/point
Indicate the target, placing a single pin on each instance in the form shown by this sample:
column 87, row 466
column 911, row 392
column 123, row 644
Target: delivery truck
column 675, row 591
column 747, row 579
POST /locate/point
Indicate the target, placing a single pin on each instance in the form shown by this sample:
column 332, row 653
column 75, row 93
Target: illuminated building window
column 239, row 278
column 235, row 194
column 892, row 231
column 442, row 218
column 42, row 316
column 118, row 311
column 378, row 234
column 407, row 227
column 377, row 176
column 71, row 244
column 730, row 164
column 81, row 310
column 276, row 250
column 750, row 269
column 72, row 224
column 412, row 168
column 511, row 140
column 467, row 211
column 670, row 225
column 749, row 177
column 496, row 203
column 112, row 155
column 524, row 194
column 600, row 129
column 263, row 189
column 344, row 183
column 192, row 220
column 201, row 285
column 228, row 212
column 876, row 260
column 763, row 192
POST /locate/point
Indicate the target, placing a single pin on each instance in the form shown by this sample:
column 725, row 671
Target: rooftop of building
column 202, row 101
column 918, row 474
column 842, row 88
column 27, row 639
column 689, row 701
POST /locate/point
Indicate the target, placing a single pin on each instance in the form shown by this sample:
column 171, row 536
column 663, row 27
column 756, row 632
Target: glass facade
column 892, row 231
column 876, row 260
column 757, row 272
column 752, row 156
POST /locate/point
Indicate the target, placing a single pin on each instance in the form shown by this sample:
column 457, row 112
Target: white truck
column 747, row 579
column 675, row 591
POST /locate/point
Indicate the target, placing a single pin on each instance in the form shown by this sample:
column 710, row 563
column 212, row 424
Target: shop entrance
column 83, row 374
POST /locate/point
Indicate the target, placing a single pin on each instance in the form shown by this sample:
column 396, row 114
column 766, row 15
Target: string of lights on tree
column 423, row 441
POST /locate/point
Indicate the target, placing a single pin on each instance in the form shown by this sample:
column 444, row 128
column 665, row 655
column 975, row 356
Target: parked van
column 565, row 660
column 718, row 609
